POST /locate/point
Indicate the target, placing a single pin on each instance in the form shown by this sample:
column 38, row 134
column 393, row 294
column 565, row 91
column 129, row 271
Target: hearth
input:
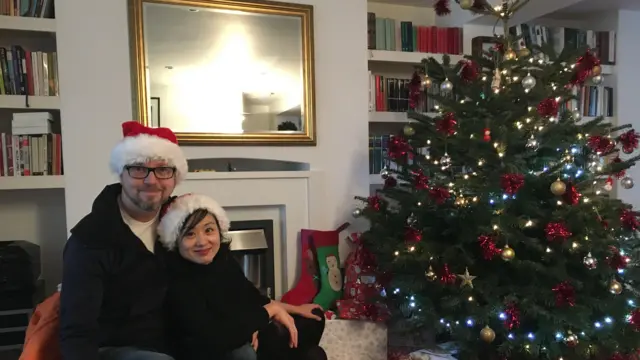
column 252, row 247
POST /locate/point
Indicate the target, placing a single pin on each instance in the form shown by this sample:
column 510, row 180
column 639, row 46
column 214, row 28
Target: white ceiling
column 420, row 3
column 181, row 38
column 592, row 6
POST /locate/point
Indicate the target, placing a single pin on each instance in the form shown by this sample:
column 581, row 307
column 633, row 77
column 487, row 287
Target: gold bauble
column 408, row 130
column 507, row 253
column 615, row 287
column 558, row 187
column 597, row 70
column 510, row 54
column 426, row 82
column 524, row 52
column 466, row 4
column 487, row 334
column 430, row 274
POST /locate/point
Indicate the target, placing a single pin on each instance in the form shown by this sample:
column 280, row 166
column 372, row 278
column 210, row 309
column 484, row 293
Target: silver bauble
column 532, row 144
column 626, row 182
column 445, row 161
column 356, row 213
column 590, row 262
column 446, row 85
column 576, row 115
column 412, row 220
column 528, row 82
column 384, row 173
column 597, row 80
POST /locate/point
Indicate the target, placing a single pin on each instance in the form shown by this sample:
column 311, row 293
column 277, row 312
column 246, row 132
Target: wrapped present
column 354, row 340
column 330, row 315
column 433, row 354
column 351, row 309
column 361, row 280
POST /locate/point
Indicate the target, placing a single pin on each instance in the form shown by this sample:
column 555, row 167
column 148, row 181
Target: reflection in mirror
column 223, row 71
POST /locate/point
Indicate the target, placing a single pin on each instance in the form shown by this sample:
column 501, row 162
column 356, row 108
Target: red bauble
column 374, row 202
column 634, row 319
column 511, row 183
column 629, row 141
column 447, row 125
column 420, row 180
column 469, row 71
column 412, row 235
column 439, row 195
column 629, row 220
column 600, row 144
column 399, row 148
column 584, row 67
column 617, row 261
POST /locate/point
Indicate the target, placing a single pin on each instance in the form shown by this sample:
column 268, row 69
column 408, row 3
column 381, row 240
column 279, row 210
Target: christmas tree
column 497, row 224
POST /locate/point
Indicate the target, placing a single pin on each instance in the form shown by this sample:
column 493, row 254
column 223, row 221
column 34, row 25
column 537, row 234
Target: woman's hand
column 254, row 341
column 287, row 321
column 305, row 310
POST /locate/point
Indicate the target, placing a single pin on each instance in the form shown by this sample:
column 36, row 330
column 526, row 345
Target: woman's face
column 201, row 244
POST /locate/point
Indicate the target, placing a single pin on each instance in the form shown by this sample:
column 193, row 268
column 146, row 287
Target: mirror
column 224, row 72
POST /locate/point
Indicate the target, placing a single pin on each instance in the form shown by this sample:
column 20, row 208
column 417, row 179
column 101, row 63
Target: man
column 113, row 283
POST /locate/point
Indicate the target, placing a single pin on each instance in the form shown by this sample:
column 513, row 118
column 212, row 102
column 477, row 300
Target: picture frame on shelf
column 154, row 111
column 482, row 44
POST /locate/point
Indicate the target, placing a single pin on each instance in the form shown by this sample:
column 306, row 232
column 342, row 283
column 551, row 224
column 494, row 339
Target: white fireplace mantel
column 292, row 199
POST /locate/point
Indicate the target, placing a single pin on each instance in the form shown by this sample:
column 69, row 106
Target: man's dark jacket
column 113, row 288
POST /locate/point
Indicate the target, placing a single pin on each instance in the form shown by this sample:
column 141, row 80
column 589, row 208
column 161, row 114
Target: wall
column 96, row 98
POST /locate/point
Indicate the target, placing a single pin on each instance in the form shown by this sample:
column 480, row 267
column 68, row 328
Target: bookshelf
column 32, row 206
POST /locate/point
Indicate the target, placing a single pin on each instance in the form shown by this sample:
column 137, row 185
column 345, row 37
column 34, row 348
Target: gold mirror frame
column 139, row 77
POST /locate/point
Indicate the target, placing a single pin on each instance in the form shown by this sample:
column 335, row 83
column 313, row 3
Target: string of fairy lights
column 568, row 171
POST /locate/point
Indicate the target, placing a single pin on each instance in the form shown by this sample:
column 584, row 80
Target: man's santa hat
column 142, row 144
column 174, row 214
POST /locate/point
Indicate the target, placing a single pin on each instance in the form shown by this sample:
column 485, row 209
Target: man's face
column 150, row 192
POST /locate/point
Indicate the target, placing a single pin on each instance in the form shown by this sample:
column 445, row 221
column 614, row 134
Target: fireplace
column 252, row 246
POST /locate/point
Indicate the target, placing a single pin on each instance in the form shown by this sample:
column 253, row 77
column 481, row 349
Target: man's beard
column 146, row 205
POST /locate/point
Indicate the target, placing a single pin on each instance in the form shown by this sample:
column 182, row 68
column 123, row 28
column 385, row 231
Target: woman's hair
column 194, row 219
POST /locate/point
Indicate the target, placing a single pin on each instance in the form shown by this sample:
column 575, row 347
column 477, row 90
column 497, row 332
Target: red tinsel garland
column 511, row 183
column 412, row 235
column 634, row 319
column 629, row 141
column 399, row 148
column 420, row 180
column 557, row 231
column 565, row 294
column 374, row 202
column 442, row 7
column 571, row 195
column 469, row 71
column 629, row 220
column 439, row 195
column 617, row 261
column 489, row 248
column 447, row 277
column 584, row 68
column 600, row 144
column 548, row 107
column 390, row 182
column 447, row 125
column 513, row 317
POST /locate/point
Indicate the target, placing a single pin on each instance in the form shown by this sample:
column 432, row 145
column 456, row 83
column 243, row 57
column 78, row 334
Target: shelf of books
column 24, row 23
column 31, row 153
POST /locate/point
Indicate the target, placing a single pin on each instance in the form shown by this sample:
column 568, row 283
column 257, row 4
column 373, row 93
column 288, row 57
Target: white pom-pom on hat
column 173, row 216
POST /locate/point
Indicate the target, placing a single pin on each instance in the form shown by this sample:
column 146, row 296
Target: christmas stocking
column 326, row 244
column 307, row 287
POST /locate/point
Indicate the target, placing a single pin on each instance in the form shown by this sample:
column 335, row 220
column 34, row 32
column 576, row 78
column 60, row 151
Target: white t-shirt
column 145, row 231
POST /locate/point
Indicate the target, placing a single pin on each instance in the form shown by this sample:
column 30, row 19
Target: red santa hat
column 174, row 214
column 142, row 144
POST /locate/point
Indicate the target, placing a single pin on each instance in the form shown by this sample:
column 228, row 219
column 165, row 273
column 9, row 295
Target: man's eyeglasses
column 141, row 172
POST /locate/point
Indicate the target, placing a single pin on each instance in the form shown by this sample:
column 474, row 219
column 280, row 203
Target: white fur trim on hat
column 180, row 208
column 142, row 148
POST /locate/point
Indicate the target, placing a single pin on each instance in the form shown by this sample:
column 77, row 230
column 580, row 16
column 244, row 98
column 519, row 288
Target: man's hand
column 254, row 341
column 305, row 310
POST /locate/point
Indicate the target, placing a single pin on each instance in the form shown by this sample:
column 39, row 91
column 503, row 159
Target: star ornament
column 467, row 279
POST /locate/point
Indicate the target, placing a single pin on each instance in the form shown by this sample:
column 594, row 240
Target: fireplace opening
column 252, row 246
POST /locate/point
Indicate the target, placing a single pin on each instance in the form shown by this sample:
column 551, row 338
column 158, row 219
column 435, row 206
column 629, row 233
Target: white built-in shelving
column 20, row 23
column 407, row 57
column 29, row 102
column 31, row 182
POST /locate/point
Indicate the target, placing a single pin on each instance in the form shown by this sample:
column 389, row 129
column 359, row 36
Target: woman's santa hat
column 142, row 144
column 174, row 214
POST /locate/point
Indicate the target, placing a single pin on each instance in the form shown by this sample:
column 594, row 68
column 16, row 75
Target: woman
column 215, row 311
